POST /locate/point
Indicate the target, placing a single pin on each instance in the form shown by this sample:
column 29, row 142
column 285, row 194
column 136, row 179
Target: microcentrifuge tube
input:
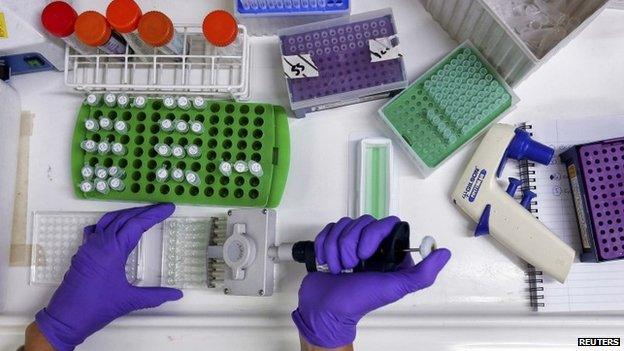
column 116, row 184
column 88, row 145
column 118, row 149
column 169, row 102
column 106, row 123
column 139, row 101
column 192, row 178
column 101, row 186
column 101, row 172
column 240, row 166
column 103, row 148
column 177, row 175
column 110, row 99
column 121, row 127
column 184, row 103
column 181, row 126
column 93, row 99
column 163, row 150
column 86, row 186
column 197, row 127
column 166, row 125
column 193, row 151
column 123, row 100
column 116, row 172
column 162, row 174
column 92, row 125
column 225, row 168
column 177, row 151
column 255, row 168
column 87, row 172
column 199, row 103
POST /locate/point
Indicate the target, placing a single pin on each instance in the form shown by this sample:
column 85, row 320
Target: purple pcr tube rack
column 339, row 49
column 596, row 174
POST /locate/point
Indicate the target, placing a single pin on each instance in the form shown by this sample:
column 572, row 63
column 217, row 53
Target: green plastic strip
column 376, row 163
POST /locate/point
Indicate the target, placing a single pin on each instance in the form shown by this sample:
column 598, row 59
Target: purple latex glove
column 95, row 290
column 330, row 305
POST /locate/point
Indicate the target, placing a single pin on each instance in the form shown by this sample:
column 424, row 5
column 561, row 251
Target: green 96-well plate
column 232, row 131
column 447, row 107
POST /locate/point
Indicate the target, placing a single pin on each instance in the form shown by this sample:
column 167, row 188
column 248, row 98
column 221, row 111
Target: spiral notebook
column 589, row 286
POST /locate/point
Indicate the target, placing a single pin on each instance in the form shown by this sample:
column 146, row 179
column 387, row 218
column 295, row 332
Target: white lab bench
column 480, row 300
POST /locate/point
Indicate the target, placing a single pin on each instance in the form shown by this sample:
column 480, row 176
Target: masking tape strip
column 20, row 249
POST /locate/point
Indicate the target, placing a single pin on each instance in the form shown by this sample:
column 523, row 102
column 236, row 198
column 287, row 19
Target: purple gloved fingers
column 349, row 239
column 330, row 246
column 424, row 274
column 373, row 234
column 115, row 225
column 318, row 243
column 150, row 297
column 132, row 230
column 87, row 232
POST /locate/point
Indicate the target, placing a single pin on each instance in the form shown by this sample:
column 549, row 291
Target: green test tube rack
column 232, row 131
column 447, row 107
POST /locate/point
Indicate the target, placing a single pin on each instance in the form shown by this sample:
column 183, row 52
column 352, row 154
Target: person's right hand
column 330, row 305
column 95, row 290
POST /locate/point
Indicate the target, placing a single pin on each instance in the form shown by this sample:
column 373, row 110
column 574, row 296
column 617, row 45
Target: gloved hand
column 95, row 290
column 330, row 305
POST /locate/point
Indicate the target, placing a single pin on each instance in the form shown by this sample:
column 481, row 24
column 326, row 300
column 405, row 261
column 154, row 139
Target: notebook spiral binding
column 534, row 277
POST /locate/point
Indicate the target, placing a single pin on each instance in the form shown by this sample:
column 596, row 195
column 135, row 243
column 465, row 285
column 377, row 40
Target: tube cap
column 59, row 18
column 92, row 28
column 155, row 28
column 123, row 15
column 220, row 28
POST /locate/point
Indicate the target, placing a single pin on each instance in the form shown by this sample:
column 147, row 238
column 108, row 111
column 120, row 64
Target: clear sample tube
column 124, row 17
column 116, row 184
column 101, row 172
column 163, row 150
column 197, row 127
column 86, row 186
column 93, row 100
column 88, row 145
column 177, row 151
column 156, row 29
column 199, row 103
column 139, row 101
column 166, row 125
column 123, row 100
column 193, row 151
column 59, row 19
column 184, row 103
column 106, row 123
column 192, row 178
column 240, row 166
column 181, row 126
column 118, row 149
column 101, row 186
column 177, row 175
column 225, row 168
column 92, row 125
column 87, row 172
column 104, row 148
column 93, row 30
column 169, row 102
column 162, row 174
column 121, row 127
column 255, row 168
column 117, row 172
column 110, row 99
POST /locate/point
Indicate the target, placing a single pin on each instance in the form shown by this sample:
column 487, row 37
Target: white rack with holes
column 207, row 70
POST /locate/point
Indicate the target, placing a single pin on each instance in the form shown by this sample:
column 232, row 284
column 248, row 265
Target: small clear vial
column 101, row 172
column 199, row 103
column 106, row 123
column 87, row 172
column 184, row 103
column 225, row 168
column 103, row 148
column 240, row 166
column 162, row 174
column 197, row 127
column 166, row 125
column 92, row 125
column 116, row 172
column 86, row 186
column 139, row 101
column 110, row 99
column 177, row 175
column 116, row 184
column 163, row 150
column 193, row 151
column 178, row 151
column 192, row 178
column 93, row 100
column 89, row 145
column 123, row 100
column 255, row 168
column 101, row 186
column 169, row 102
column 121, row 127
column 118, row 149
column 181, row 126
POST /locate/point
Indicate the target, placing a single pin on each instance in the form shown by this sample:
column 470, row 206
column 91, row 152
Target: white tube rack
column 204, row 70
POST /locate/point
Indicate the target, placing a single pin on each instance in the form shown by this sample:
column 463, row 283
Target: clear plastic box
column 339, row 48
column 476, row 21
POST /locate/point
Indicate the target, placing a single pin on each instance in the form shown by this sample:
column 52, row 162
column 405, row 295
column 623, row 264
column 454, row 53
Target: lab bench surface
column 480, row 300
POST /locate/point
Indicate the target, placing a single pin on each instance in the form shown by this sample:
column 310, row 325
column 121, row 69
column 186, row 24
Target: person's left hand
column 95, row 290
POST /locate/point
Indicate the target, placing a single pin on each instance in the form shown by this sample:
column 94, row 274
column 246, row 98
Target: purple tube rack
column 603, row 172
column 342, row 56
